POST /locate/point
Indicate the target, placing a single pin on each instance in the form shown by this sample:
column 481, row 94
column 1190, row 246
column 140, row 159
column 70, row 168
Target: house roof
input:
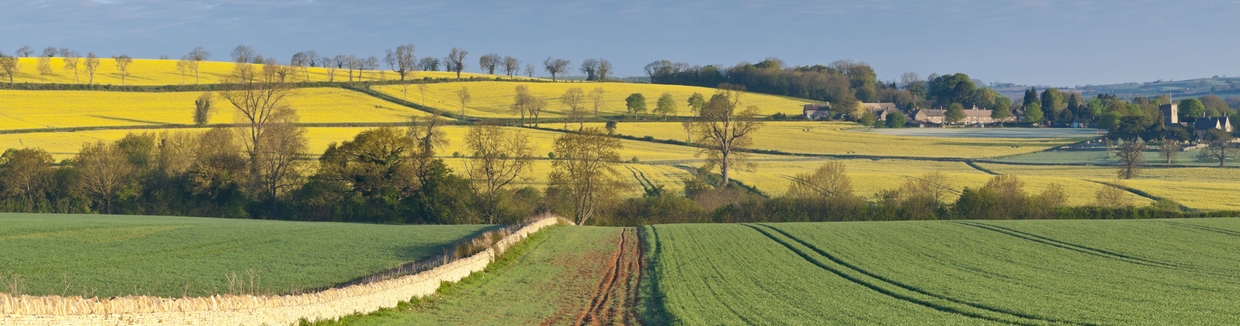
column 817, row 106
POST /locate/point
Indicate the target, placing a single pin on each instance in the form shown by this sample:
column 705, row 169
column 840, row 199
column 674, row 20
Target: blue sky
column 1058, row 43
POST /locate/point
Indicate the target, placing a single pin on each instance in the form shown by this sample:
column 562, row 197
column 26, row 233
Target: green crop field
column 548, row 279
column 949, row 272
column 103, row 256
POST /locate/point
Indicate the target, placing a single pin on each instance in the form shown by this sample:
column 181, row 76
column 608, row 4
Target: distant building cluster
column 916, row 116
column 1201, row 125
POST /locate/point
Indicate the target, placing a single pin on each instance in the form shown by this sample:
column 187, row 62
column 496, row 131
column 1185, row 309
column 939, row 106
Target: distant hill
column 1221, row 86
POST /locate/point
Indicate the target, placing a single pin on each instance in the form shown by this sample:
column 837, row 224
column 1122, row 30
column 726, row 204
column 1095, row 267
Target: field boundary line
column 911, row 288
column 253, row 309
column 1020, row 320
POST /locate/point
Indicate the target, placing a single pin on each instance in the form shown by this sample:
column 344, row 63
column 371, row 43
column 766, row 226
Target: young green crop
column 546, row 279
column 103, row 256
column 1023, row 272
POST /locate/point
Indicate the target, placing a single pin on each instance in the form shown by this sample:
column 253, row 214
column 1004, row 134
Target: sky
column 1056, row 43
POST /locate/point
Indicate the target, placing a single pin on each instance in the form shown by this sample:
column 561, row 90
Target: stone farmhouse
column 822, row 111
column 972, row 116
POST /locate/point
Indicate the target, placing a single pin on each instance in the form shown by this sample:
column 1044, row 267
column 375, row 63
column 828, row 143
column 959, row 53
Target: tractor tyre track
column 879, row 284
column 615, row 298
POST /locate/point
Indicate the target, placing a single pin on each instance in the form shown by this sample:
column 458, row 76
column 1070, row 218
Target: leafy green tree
column 954, row 88
column 955, row 113
column 611, row 127
column 1131, row 128
column 896, row 120
column 635, row 103
column 1218, row 148
column 1031, row 97
column 1033, row 112
column 666, row 105
column 697, row 102
column 1108, row 121
column 1053, row 102
column 867, row 118
column 1002, row 112
column 1216, row 104
column 1191, row 109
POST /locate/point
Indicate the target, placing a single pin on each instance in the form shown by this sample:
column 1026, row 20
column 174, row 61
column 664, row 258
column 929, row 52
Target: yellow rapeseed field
column 1203, row 188
column 836, row 138
column 67, row 109
column 869, row 177
column 65, row 144
column 668, row 176
column 494, row 99
column 149, row 72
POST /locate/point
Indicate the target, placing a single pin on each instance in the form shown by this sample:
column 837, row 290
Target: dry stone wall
column 247, row 309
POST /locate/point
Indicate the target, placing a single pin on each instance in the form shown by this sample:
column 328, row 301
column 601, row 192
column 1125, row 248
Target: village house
column 1204, row 124
column 880, row 110
column 972, row 116
column 814, row 111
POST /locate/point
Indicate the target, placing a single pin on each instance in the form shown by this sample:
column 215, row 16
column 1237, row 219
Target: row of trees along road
column 401, row 60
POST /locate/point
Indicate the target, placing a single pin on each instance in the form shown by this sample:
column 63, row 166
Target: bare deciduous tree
column 497, row 158
column 596, row 98
column 455, row 61
column 102, row 170
column 529, row 70
column 183, row 67
column 402, row 60
column 372, row 64
column 350, row 63
column 196, row 57
column 572, row 100
column 463, row 96
column 512, row 66
column 585, row 168
column 122, row 66
column 521, row 102
column 24, row 51
column 71, row 60
column 330, row 65
column 92, row 65
column 722, row 128
column 273, row 141
column 9, row 67
column 428, row 64
column 555, row 66
column 278, row 166
column 604, row 69
column 590, row 68
column 243, row 54
column 301, row 61
column 44, row 66
column 489, row 62
column 535, row 106
column 260, row 99
column 1131, row 156
column 1218, row 147
column 427, row 135
column 422, row 89
column 829, row 181
column 1169, row 149
column 1111, row 195
column 50, row 52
